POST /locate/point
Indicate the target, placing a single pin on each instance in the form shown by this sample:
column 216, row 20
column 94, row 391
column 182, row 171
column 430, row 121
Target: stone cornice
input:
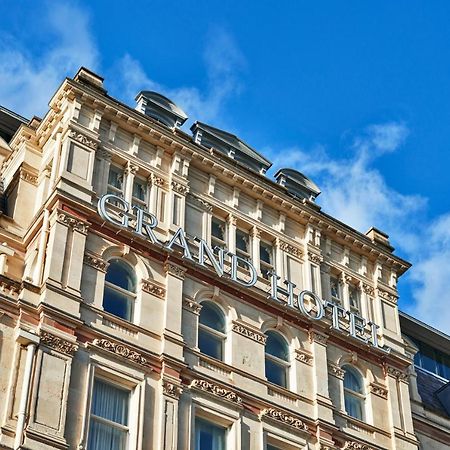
column 304, row 356
column 83, row 139
column 246, row 331
column 151, row 287
column 385, row 295
column 121, row 350
column 216, row 390
column 57, row 343
column 336, row 371
column 397, row 373
column 175, row 270
column 291, row 249
column 285, row 418
column 72, row 222
column 378, row 390
column 96, row 262
column 172, row 389
column 191, row 305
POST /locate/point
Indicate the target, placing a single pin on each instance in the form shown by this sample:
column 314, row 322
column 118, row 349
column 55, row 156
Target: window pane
column 209, row 344
column 353, row 406
column 276, row 346
column 106, row 437
column 209, row 436
column 352, row 380
column 265, row 252
column 120, row 274
column 275, row 373
column 117, row 303
column 242, row 241
column 139, row 189
column 218, row 229
column 212, row 317
column 115, row 177
column 334, row 282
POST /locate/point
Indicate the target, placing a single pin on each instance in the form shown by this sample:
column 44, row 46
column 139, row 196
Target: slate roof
column 428, row 384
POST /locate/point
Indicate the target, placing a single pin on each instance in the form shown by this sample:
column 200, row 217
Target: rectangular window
column 335, row 288
column 140, row 188
column 108, row 425
column 218, row 233
column 354, row 299
column 209, row 436
column 176, row 211
column 266, row 259
column 115, row 181
column 161, row 206
column 242, row 245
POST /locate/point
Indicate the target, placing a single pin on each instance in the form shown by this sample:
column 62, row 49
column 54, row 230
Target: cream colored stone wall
column 54, row 280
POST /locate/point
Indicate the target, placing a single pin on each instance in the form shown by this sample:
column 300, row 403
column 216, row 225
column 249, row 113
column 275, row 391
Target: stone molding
column 131, row 169
column 151, row 287
column 357, row 446
column 202, row 203
column 28, row 176
column 157, row 181
column 9, row 287
column 367, row 289
column 397, row 373
column 121, row 350
column 285, row 418
column 291, row 250
column 175, row 270
column 254, row 335
column 304, row 356
column 82, row 139
column 318, row 337
column 379, row 390
column 96, row 262
column 315, row 258
column 336, row 371
column 216, row 390
column 57, row 343
column 387, row 296
column 179, row 188
column 191, row 305
column 171, row 389
column 72, row 222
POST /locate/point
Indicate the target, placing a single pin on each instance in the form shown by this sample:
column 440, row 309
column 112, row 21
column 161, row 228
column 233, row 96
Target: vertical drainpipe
column 31, row 341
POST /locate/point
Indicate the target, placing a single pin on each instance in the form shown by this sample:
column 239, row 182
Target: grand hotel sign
column 119, row 212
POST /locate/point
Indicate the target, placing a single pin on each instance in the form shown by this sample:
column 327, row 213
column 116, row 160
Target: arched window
column 277, row 359
column 211, row 331
column 120, row 289
column 353, row 393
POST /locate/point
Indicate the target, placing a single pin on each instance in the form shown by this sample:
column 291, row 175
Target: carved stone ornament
column 157, row 181
column 172, row 389
column 315, row 258
column 288, row 248
column 336, row 371
column 304, row 357
column 397, row 373
column 73, row 222
column 82, row 139
column 180, row 188
column 285, row 418
column 131, row 169
column 381, row 391
column 202, row 203
column 369, row 290
column 249, row 333
column 57, row 343
column 318, row 337
column 192, row 305
column 121, row 350
column 104, row 154
column 96, row 262
column 152, row 288
column 28, row 176
column 388, row 296
column 357, row 446
column 216, row 390
column 176, row 271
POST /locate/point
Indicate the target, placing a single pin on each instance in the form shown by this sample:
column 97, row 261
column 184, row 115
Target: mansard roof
column 230, row 145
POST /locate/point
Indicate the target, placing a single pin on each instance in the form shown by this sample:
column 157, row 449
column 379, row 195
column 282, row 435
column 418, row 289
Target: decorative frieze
column 249, row 333
column 203, row 204
column 315, row 258
column 397, row 373
column 320, row 338
column 131, row 169
column 175, row 270
column 82, row 139
column 179, row 188
column 121, row 350
column 285, row 418
column 367, row 289
column 357, row 446
column 191, row 305
column 291, row 250
column 57, row 343
column 73, row 222
column 381, row 391
column 157, row 181
column 96, row 262
column 216, row 390
column 151, row 287
column 304, row 357
column 387, row 296
column 171, row 389
column 28, row 176
column 336, row 371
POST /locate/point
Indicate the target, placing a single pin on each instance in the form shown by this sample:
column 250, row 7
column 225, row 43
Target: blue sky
column 354, row 94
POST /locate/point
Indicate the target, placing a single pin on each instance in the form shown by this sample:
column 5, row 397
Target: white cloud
column 223, row 62
column 27, row 82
